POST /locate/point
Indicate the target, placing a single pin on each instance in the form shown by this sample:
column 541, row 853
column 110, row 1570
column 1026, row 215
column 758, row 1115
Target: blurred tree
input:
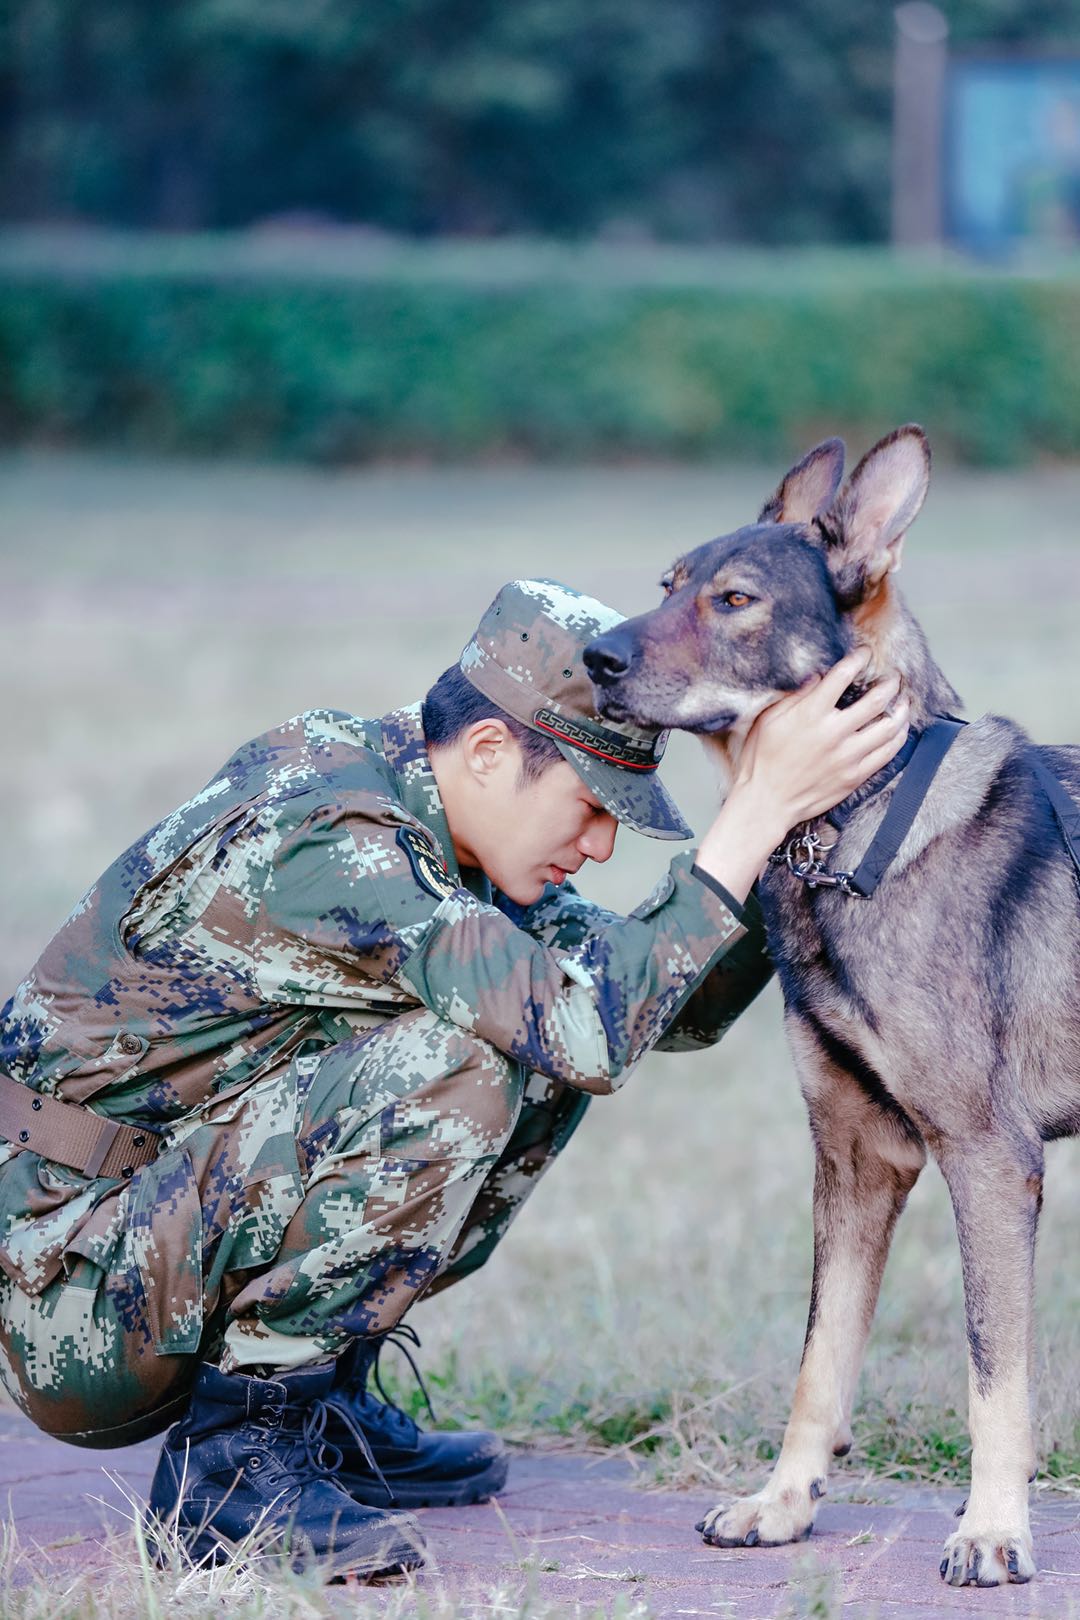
column 679, row 118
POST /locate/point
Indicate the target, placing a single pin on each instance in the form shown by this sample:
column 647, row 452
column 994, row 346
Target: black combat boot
column 251, row 1459
column 395, row 1462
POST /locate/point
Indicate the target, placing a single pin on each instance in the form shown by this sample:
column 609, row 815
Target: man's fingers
column 835, row 681
column 877, row 731
column 872, row 702
column 791, row 700
column 881, row 756
column 881, row 737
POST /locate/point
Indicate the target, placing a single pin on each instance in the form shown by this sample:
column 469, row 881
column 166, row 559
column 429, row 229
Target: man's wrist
column 739, row 842
column 765, row 819
column 736, row 907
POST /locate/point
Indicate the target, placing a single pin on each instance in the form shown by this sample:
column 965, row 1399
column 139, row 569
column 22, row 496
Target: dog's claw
column 699, row 1527
column 986, row 1561
column 764, row 1521
column 1018, row 1572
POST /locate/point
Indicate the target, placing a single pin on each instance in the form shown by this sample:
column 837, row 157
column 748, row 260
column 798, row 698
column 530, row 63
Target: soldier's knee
column 420, row 1066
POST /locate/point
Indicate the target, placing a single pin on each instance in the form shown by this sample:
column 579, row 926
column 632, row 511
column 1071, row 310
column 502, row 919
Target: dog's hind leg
column 868, row 1157
column 996, row 1187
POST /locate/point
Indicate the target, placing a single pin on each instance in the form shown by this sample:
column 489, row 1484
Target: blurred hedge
column 345, row 351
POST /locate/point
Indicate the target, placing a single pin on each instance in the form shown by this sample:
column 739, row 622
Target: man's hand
column 802, row 756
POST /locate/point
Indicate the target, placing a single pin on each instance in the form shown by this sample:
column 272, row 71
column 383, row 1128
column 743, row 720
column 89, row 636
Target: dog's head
column 749, row 616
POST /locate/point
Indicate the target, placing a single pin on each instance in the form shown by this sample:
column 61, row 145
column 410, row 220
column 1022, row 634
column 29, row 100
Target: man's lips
column 561, row 873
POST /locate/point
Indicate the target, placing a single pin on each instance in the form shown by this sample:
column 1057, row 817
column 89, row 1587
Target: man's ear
column 485, row 745
column 864, row 528
column 808, row 488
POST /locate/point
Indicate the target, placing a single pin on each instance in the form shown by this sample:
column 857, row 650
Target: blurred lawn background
column 320, row 321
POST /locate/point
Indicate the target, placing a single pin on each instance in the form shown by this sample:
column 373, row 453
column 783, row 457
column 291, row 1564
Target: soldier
column 302, row 1052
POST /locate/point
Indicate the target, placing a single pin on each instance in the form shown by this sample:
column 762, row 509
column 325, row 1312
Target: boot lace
column 401, row 1338
column 309, row 1455
column 383, row 1416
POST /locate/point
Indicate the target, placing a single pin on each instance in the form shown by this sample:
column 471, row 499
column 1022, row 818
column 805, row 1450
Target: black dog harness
column 919, row 759
column 1065, row 808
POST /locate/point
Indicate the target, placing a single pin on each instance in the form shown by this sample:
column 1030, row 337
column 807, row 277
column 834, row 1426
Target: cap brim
column 638, row 799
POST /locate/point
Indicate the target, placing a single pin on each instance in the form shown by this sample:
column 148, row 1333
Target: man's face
column 541, row 831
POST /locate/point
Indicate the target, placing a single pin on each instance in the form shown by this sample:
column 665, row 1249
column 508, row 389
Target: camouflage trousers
column 316, row 1205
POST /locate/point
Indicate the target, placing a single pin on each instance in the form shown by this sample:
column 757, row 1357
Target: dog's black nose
column 608, row 658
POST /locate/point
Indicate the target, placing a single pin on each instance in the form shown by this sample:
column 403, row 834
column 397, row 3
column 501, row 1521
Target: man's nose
column 608, row 657
column 598, row 840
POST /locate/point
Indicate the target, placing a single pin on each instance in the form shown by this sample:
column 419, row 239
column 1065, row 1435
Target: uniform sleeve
column 355, row 900
column 565, row 919
column 731, row 984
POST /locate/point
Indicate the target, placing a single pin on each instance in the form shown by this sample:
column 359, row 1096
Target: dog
column 939, row 1016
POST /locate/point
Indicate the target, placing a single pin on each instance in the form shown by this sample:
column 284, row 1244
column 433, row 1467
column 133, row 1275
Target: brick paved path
column 580, row 1530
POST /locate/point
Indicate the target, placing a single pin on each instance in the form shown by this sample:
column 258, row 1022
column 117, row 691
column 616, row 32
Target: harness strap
column 1064, row 806
column 921, row 768
column 71, row 1134
column 841, row 813
column 919, row 760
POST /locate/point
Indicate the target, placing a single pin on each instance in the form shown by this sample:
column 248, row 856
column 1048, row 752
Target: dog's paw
column 768, row 1519
column 991, row 1559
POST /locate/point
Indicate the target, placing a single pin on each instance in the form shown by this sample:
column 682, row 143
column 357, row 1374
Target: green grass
column 653, row 1294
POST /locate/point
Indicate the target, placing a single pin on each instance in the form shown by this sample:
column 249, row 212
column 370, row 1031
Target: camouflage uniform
column 358, row 1060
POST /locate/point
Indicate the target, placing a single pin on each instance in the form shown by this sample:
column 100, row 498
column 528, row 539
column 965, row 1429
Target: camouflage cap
column 526, row 656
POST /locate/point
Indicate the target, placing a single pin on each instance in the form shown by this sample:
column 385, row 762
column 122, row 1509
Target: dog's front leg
column 996, row 1189
column 865, row 1167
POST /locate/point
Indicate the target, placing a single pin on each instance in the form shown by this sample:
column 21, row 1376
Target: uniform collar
column 405, row 750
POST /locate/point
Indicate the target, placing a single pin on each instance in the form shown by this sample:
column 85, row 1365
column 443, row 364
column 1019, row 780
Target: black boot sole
column 207, row 1548
column 422, row 1493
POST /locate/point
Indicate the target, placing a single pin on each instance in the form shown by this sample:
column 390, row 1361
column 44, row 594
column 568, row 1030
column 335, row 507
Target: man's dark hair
column 454, row 704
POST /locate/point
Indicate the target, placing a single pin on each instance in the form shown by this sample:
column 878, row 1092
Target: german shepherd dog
column 940, row 1015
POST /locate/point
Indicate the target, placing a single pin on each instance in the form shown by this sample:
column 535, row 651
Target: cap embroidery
column 596, row 740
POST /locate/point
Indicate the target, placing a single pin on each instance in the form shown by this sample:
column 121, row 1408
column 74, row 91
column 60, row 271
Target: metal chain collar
column 804, row 856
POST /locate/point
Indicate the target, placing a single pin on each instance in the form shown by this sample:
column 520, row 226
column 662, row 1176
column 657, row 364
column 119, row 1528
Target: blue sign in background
column 1012, row 157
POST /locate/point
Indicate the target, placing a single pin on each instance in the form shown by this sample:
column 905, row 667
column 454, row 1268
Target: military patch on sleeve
column 425, row 863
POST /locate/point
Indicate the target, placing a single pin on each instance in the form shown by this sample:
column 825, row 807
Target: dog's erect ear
column 809, row 487
column 865, row 527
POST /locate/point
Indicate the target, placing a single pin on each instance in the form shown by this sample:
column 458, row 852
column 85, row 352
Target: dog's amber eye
column 734, row 599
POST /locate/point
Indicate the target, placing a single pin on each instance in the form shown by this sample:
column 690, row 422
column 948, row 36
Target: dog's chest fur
column 960, row 977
